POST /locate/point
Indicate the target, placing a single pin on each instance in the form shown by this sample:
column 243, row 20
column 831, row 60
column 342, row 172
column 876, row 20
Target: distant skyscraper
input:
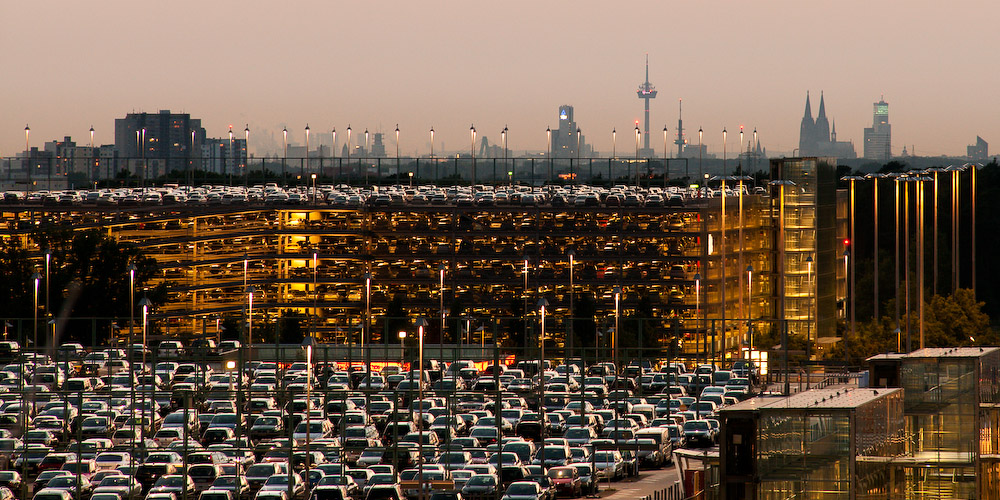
column 978, row 151
column 167, row 140
column 564, row 141
column 878, row 137
column 646, row 92
column 816, row 138
column 679, row 141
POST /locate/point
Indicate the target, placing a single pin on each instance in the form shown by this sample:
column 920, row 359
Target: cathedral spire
column 808, row 114
column 821, row 132
column 822, row 108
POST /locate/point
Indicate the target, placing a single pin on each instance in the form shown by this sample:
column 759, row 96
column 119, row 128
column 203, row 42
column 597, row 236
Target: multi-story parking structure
column 486, row 265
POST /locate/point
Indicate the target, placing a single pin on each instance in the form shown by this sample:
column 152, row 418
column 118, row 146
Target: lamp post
column 315, row 199
column 308, row 344
column 284, row 160
column 697, row 309
column 665, row 148
column 542, row 304
column 750, row 306
column 781, row 276
column 36, row 278
column 420, row 324
column 246, row 158
column 366, row 335
column 572, row 299
column 701, row 171
column 852, row 292
column 548, row 138
column 472, row 133
column 432, row 142
column 48, row 261
column 809, row 304
column 524, row 311
column 250, row 290
column 315, row 311
column 131, row 303
column 92, row 171
column 503, row 142
column 349, row 147
column 145, row 304
column 617, row 291
column 441, row 270
column 306, row 165
column 724, row 172
column 27, row 157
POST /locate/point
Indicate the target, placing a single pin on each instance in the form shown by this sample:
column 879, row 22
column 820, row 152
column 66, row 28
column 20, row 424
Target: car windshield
column 116, row 481
column 560, row 473
column 521, row 489
column 482, row 480
column 696, row 425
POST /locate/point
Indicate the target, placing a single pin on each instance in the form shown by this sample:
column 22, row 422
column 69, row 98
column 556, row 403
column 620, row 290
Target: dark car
column 480, row 487
column 699, row 433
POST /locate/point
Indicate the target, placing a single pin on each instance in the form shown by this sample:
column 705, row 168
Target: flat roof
column 836, row 398
column 951, row 352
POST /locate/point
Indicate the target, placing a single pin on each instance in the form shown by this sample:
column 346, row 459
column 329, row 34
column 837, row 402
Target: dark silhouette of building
column 979, row 151
column 818, row 138
column 159, row 142
column 565, row 139
column 878, row 137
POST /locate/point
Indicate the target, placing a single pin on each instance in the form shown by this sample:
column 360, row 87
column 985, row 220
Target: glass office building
column 834, row 443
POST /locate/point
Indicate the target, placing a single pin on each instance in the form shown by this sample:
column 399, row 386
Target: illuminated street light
column 36, row 278
column 421, row 323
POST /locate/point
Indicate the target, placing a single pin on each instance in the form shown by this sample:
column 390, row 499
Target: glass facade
column 810, row 229
column 820, row 444
column 951, row 407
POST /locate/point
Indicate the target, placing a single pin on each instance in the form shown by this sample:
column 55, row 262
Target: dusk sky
column 69, row 65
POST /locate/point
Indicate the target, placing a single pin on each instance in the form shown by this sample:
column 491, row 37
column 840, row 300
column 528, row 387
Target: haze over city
column 71, row 65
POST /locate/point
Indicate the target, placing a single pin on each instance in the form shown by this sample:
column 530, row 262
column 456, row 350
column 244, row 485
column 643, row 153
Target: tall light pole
column 781, row 276
column 306, row 166
column 697, row 309
column 131, row 302
column 724, row 171
column 472, row 133
column 954, row 227
column 28, row 167
column 542, row 304
column 145, row 305
column 334, row 150
column 852, row 293
column 701, row 171
column 432, row 142
column 441, row 270
column 48, row 261
column 572, row 298
column 349, row 147
column 617, row 291
column 878, row 305
column 809, row 304
column 36, row 278
column 614, row 143
column 308, row 343
column 638, row 135
column 397, row 155
column 548, row 140
column 665, row 146
column 366, row 335
column 93, row 155
column 246, row 158
column 315, row 311
column 284, row 142
column 749, row 315
column 367, row 153
column 250, row 290
column 421, row 323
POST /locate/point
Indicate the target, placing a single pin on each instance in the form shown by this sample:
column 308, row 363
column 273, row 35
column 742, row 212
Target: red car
column 566, row 481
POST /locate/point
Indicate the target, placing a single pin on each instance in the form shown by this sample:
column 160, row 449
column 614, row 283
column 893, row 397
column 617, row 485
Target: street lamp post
column 306, row 165
column 36, row 278
column 131, row 303
column 284, row 160
column 308, row 343
column 250, row 290
column 145, row 304
column 614, row 144
column 701, row 171
column 48, row 261
column 750, row 306
column 542, row 304
column 697, row 309
column 246, row 158
column 421, row 324
column 617, row 291
column 809, row 298
column 441, row 270
column 572, row 298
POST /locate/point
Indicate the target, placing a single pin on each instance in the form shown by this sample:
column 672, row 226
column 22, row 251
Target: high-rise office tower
column 163, row 141
column 564, row 140
column 878, row 137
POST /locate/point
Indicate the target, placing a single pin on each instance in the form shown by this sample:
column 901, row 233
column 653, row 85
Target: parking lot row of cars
column 274, row 429
column 344, row 195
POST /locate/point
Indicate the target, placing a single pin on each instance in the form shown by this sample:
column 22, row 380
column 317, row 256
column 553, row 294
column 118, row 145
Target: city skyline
column 272, row 66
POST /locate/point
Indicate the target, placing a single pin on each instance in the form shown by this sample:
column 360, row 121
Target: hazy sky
column 68, row 65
